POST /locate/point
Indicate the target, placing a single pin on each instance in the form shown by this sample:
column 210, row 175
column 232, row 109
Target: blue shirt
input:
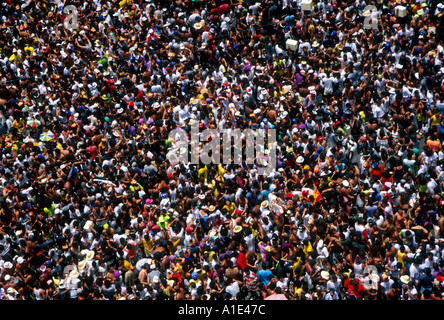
column 265, row 193
column 265, row 276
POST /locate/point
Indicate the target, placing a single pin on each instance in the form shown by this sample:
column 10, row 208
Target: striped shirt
column 251, row 280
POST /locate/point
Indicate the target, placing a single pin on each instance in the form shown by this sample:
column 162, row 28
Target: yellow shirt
column 297, row 293
column 399, row 255
column 230, row 208
column 297, row 266
column 212, row 187
column 203, row 172
column 436, row 119
column 30, row 49
column 221, row 171
column 123, row 3
column 148, row 246
column 173, row 246
column 308, row 249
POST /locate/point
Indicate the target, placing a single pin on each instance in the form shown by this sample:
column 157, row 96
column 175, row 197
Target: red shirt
column 224, row 8
column 92, row 150
column 241, row 262
column 357, row 291
column 378, row 170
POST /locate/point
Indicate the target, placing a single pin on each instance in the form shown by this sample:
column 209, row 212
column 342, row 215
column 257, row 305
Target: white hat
column 345, row 183
column 90, row 255
column 300, row 159
column 82, row 264
column 74, row 274
column 156, row 279
column 325, row 275
column 156, row 105
column 199, row 25
column 11, row 290
column 405, row 279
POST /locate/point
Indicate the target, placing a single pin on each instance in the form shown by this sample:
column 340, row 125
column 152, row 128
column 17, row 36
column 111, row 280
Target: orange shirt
column 435, row 145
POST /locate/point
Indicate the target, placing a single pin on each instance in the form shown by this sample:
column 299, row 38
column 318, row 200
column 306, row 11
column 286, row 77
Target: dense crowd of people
column 91, row 208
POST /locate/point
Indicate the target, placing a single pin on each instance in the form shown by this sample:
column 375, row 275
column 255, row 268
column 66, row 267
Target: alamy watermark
column 371, row 17
column 258, row 146
column 70, row 21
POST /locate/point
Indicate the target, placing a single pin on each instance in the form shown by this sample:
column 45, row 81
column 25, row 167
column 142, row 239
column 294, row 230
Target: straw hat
column 90, row 255
column 211, row 208
column 284, row 91
column 405, row 279
column 325, row 275
column 82, row 265
column 199, row 25
column 264, row 204
column 74, row 274
column 194, row 101
column 237, row 229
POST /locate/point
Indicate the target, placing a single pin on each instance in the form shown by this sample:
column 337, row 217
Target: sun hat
column 73, row 274
column 237, row 229
column 90, row 255
column 199, row 25
column 264, row 204
column 405, row 279
column 81, row 265
column 325, row 275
